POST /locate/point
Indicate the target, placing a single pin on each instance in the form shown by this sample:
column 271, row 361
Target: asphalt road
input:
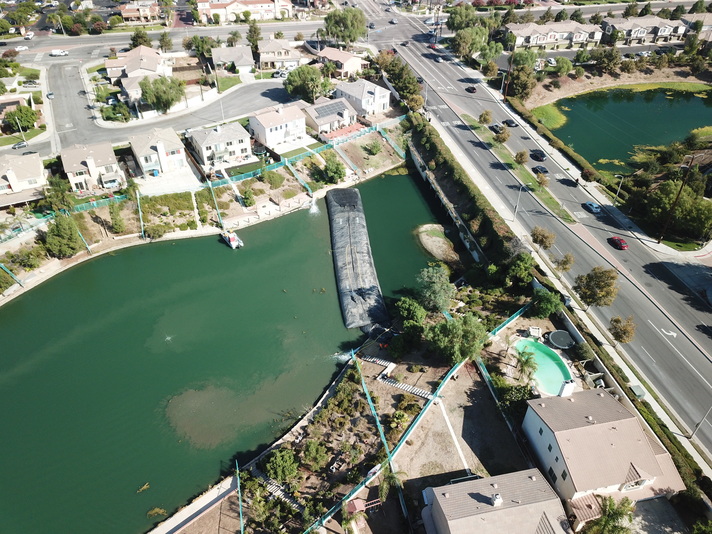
column 672, row 334
column 672, row 337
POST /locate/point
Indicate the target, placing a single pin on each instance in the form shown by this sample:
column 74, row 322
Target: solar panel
column 332, row 108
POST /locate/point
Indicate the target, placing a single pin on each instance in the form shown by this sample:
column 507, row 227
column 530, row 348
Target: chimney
column 162, row 157
column 217, row 128
column 12, row 179
column 567, row 388
column 91, row 166
column 497, row 500
column 447, row 495
column 280, row 108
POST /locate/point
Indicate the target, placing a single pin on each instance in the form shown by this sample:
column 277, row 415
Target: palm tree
column 347, row 519
column 233, row 38
column 615, row 517
column 389, row 480
column 328, row 69
column 527, row 364
column 56, row 19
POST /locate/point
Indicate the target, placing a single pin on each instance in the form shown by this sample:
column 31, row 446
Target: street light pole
column 20, row 127
column 697, row 426
column 677, row 198
column 615, row 200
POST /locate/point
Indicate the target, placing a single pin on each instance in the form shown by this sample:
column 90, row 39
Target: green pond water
column 159, row 363
column 608, row 124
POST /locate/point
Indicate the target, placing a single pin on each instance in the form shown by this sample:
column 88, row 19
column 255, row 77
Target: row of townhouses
column 588, row 446
column 634, row 30
column 161, row 151
column 227, row 11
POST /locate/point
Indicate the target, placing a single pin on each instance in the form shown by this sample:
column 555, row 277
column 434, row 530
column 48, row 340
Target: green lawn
column 263, row 76
column 225, row 82
column 11, row 139
column 99, row 69
column 27, row 71
column 242, row 169
column 154, row 27
column 293, row 153
column 550, row 116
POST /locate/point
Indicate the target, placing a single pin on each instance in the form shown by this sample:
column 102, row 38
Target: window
column 229, row 143
column 241, row 141
column 231, row 153
column 556, row 459
column 173, row 152
column 541, row 431
column 32, row 181
column 147, row 159
column 208, row 148
column 634, row 485
column 564, row 475
column 80, row 173
column 552, row 475
column 550, row 447
column 243, row 151
column 4, row 187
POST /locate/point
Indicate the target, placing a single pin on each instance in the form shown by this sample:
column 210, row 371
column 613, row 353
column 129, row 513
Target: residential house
column 92, row 166
column 21, row 173
column 347, row 64
column 645, row 29
column 366, row 97
column 328, row 115
column 277, row 54
column 140, row 11
column 590, row 445
column 283, row 124
column 232, row 11
column 238, row 57
column 522, row 501
column 228, row 143
column 158, row 151
column 564, row 34
column 131, row 87
column 139, row 62
column 705, row 33
column 10, row 102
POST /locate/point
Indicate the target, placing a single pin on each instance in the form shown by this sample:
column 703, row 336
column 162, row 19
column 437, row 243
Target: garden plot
column 371, row 153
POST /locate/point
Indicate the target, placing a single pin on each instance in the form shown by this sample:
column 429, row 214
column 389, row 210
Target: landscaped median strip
column 520, row 171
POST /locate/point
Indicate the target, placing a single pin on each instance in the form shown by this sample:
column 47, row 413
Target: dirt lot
column 367, row 162
column 544, row 93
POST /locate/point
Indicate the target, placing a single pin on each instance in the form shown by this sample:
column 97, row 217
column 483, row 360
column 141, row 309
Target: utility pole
column 677, row 198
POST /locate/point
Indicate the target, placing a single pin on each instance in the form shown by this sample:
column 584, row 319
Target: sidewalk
column 591, row 324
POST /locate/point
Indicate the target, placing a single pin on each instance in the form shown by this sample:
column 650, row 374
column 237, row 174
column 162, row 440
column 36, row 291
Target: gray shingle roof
column 529, row 504
column 325, row 112
column 226, row 132
column 240, row 55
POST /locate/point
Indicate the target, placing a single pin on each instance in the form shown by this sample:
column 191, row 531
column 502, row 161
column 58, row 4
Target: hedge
column 485, row 224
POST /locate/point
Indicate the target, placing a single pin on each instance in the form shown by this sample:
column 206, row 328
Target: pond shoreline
column 570, row 87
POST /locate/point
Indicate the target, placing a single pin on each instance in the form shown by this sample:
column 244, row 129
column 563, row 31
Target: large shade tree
column 346, row 25
column 162, row 93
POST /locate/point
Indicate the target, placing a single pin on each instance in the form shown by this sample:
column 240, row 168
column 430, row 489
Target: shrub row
column 491, row 231
column 588, row 172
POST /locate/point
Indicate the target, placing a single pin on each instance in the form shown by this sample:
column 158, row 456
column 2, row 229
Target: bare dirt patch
column 544, row 93
column 433, row 239
column 362, row 158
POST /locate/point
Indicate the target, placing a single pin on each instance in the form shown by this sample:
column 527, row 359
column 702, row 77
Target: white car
column 551, row 62
column 22, row 48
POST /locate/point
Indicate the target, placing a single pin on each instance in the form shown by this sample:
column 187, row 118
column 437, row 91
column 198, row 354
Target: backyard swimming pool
column 551, row 369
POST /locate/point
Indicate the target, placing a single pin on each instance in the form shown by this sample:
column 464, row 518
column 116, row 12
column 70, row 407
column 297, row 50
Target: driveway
column 657, row 516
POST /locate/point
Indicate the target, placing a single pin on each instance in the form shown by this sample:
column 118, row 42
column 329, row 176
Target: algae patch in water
column 205, row 417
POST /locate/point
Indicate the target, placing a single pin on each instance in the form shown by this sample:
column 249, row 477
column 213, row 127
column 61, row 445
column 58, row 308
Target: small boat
column 232, row 239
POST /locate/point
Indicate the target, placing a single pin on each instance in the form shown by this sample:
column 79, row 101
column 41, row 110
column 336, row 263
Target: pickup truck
column 29, row 35
column 57, row 53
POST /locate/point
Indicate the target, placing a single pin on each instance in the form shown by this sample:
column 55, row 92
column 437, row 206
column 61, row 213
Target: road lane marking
column 673, row 334
column 649, row 356
column 682, row 356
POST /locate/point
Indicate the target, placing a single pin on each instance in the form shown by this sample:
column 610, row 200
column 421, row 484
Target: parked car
column 393, row 21
column 551, row 62
column 592, row 207
column 50, row 95
column 540, row 169
column 644, row 53
column 372, row 25
column 29, row 36
column 619, row 243
column 510, row 123
column 538, row 155
column 3, row 43
column 22, row 48
column 21, row 144
column 29, row 153
column 30, row 83
column 111, row 101
column 471, row 89
column 277, row 74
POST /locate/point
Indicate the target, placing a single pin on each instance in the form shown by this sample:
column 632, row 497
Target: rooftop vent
column 532, row 478
column 497, row 500
column 494, row 485
column 447, row 495
column 589, row 418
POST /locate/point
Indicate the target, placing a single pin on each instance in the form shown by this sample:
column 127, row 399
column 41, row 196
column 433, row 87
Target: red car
column 433, row 46
column 619, row 243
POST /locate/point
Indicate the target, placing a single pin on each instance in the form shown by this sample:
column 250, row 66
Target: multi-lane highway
column 672, row 341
